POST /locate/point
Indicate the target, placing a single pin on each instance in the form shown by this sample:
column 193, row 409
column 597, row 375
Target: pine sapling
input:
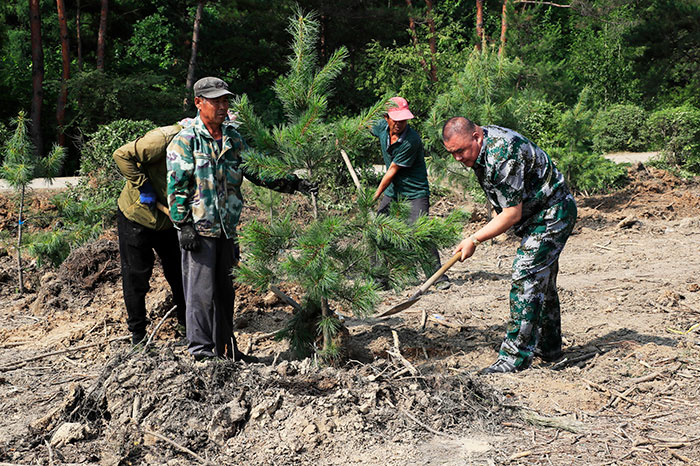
column 20, row 166
column 334, row 255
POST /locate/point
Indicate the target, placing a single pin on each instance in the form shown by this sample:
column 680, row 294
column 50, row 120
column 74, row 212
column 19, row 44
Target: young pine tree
column 20, row 166
column 334, row 256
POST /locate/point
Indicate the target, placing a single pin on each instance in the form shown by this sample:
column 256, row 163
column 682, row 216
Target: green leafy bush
column 676, row 131
column 102, row 180
column 589, row 173
column 620, row 127
column 539, row 120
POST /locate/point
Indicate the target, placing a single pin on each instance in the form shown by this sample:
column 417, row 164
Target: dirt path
column 626, row 392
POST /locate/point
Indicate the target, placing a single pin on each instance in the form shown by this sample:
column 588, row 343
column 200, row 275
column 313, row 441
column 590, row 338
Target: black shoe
column 549, row 357
column 240, row 356
column 501, row 366
column 205, row 357
column 137, row 338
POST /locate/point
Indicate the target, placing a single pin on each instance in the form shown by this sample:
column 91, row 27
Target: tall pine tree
column 337, row 255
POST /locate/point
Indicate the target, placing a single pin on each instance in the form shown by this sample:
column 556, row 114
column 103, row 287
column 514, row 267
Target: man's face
column 395, row 127
column 212, row 111
column 464, row 148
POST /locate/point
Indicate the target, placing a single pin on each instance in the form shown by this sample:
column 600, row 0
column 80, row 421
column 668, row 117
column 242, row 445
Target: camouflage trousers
column 535, row 318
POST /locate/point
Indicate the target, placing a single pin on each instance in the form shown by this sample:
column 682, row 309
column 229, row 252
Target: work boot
column 549, row 357
column 205, row 357
column 501, row 366
column 247, row 358
column 138, row 337
column 443, row 283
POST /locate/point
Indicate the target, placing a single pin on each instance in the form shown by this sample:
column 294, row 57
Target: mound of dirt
column 90, row 264
column 152, row 409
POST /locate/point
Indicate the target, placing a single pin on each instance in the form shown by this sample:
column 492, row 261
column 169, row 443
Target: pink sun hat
column 401, row 111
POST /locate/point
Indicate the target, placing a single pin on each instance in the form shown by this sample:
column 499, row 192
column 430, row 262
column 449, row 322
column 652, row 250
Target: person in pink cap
column 406, row 175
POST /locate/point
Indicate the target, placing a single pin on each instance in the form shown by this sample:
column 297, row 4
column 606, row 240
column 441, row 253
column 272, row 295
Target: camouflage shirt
column 204, row 181
column 511, row 170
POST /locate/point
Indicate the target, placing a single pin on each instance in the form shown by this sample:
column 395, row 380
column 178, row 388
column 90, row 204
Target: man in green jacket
column 406, row 175
column 143, row 228
column 205, row 172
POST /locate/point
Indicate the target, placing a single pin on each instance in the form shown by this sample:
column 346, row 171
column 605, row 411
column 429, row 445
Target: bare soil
column 626, row 391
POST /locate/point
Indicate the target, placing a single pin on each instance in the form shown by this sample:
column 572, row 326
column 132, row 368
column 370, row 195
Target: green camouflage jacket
column 204, row 183
column 511, row 170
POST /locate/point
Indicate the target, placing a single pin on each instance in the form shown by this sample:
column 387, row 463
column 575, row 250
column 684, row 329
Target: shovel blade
column 399, row 307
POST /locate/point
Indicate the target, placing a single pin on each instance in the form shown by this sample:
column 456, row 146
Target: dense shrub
column 620, row 127
column 539, row 120
column 589, row 173
column 102, row 178
column 676, row 131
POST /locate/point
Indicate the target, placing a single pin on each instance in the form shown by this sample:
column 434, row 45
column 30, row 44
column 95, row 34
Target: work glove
column 307, row 187
column 147, row 195
column 189, row 239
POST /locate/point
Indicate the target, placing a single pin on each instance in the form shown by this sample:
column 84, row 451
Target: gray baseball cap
column 211, row 88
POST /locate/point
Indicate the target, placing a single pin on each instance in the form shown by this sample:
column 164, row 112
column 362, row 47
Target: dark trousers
column 136, row 246
column 420, row 206
column 210, row 297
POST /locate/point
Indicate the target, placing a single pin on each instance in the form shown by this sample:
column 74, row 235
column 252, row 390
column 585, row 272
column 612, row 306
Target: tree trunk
column 101, row 35
column 432, row 41
column 77, row 31
column 504, row 28
column 480, row 24
column 193, row 56
column 37, row 73
column 65, row 56
column 414, row 36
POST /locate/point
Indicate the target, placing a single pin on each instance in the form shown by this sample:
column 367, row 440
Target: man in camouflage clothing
column 530, row 195
column 204, row 195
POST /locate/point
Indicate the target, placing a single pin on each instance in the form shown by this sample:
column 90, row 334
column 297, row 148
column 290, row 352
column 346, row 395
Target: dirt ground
column 626, row 391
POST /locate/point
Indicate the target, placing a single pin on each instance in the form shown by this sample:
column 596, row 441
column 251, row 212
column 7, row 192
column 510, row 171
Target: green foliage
column 109, row 96
column 620, row 127
column 20, row 166
column 676, row 131
column 599, row 57
column 152, row 43
column 102, row 180
column 575, row 123
column 332, row 258
column 78, row 221
column 484, row 91
column 539, row 119
column 589, row 173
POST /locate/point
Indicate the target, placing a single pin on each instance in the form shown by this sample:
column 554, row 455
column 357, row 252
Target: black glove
column 189, row 239
column 307, row 187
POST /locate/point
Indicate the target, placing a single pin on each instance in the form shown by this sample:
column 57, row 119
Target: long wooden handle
column 162, row 208
column 352, row 170
column 439, row 273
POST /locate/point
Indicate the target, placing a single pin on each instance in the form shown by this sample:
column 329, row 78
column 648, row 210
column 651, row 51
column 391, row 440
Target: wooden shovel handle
column 162, row 208
column 439, row 273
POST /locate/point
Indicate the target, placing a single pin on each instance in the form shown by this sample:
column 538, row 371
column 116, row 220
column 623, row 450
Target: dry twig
column 179, row 447
column 155, row 330
column 21, row 363
column 423, row 425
